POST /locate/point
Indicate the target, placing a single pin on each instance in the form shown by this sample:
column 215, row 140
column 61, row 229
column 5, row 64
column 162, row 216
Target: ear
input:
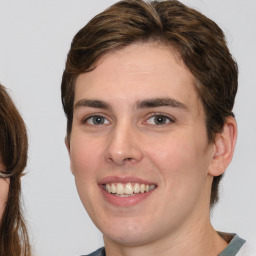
column 224, row 145
column 67, row 143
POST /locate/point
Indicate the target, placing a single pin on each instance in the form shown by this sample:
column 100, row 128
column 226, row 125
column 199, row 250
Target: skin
column 175, row 155
column 4, row 189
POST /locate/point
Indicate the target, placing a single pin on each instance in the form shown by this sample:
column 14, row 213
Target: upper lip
column 118, row 179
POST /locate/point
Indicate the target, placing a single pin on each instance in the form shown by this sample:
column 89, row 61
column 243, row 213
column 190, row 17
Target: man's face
column 139, row 125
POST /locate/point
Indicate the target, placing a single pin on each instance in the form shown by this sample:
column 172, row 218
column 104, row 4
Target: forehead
column 140, row 70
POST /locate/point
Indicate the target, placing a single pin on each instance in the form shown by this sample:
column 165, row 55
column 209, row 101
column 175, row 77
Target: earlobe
column 224, row 146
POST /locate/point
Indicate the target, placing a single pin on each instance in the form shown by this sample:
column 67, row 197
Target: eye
column 96, row 120
column 159, row 120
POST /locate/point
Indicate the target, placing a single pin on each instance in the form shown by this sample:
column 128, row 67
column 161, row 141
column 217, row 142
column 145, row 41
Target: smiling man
column 148, row 92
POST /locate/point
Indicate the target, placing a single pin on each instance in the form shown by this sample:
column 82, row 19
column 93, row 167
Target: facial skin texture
column 4, row 189
column 174, row 155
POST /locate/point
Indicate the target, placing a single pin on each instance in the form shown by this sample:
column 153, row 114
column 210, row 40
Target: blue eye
column 159, row 120
column 97, row 120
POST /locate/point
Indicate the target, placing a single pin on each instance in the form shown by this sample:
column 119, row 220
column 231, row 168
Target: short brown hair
column 13, row 149
column 199, row 41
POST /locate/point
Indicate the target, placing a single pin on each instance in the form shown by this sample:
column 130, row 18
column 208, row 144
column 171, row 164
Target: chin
column 126, row 239
column 128, row 234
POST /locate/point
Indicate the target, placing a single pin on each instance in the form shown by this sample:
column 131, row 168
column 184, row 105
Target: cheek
column 181, row 162
column 4, row 189
column 183, row 170
column 85, row 155
column 86, row 158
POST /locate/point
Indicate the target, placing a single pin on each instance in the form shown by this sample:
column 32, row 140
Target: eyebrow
column 161, row 102
column 147, row 103
column 92, row 104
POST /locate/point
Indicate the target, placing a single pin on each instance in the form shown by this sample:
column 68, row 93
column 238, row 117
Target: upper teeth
column 128, row 189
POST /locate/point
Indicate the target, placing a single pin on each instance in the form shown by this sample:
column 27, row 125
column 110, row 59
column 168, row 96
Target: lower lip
column 125, row 201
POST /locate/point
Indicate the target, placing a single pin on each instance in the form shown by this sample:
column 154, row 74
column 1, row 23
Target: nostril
column 121, row 161
column 125, row 153
column 128, row 160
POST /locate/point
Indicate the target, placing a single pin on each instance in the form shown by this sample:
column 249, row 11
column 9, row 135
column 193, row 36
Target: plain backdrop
column 35, row 36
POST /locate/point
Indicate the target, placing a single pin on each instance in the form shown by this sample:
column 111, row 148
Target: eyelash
column 94, row 116
column 165, row 117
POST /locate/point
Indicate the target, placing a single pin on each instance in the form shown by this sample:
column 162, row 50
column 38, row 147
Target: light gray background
column 34, row 39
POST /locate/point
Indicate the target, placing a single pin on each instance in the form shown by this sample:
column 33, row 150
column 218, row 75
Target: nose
column 123, row 146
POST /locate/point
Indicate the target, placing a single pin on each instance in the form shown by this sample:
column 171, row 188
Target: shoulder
column 99, row 252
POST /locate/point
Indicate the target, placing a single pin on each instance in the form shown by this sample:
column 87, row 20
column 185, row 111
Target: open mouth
column 127, row 189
